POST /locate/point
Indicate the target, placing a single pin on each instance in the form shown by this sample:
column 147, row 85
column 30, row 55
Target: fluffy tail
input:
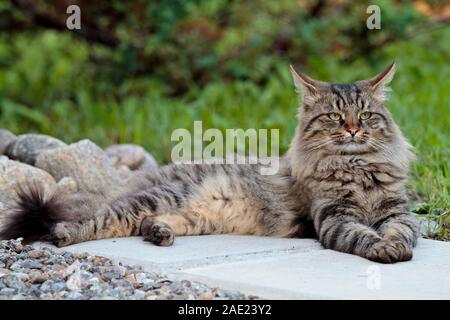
column 33, row 216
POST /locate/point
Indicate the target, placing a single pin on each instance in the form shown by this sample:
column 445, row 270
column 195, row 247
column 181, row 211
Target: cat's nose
column 353, row 131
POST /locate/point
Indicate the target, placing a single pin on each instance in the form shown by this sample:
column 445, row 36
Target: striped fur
column 341, row 181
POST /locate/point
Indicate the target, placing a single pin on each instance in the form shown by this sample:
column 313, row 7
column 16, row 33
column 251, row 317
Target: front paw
column 388, row 251
column 61, row 235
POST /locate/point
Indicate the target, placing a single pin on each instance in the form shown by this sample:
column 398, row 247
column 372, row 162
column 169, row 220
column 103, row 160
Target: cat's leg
column 102, row 226
column 220, row 202
column 400, row 229
column 396, row 225
column 214, row 208
column 194, row 219
column 339, row 228
column 119, row 218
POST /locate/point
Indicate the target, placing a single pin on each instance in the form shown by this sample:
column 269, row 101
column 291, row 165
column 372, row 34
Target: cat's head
column 345, row 118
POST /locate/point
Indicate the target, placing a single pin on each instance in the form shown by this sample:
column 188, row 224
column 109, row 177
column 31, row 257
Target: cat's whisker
column 380, row 147
column 319, row 146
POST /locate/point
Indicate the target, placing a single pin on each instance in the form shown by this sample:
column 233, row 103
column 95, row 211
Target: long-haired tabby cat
column 342, row 181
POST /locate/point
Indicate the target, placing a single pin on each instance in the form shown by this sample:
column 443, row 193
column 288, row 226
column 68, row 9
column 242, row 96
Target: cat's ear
column 306, row 86
column 379, row 85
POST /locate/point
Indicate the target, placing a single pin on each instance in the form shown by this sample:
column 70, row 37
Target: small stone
column 47, row 286
column 131, row 155
column 74, row 295
column 36, row 254
column 46, row 296
column 427, row 226
column 6, row 138
column 14, row 245
column 15, row 280
column 85, row 275
column 207, row 296
column 55, row 260
column 106, row 298
column 165, row 290
column 82, row 255
column 141, row 277
column 27, row 147
column 4, row 271
column 177, row 287
column 60, row 294
column 234, row 294
column 58, row 286
column 186, row 283
column 31, row 264
column 98, row 261
column 131, row 278
column 123, row 283
column 111, row 275
column 8, row 291
column 74, row 282
column 38, row 277
column 138, row 295
column 67, row 255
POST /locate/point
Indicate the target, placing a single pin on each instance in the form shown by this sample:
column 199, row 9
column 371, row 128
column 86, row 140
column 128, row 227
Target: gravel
column 30, row 273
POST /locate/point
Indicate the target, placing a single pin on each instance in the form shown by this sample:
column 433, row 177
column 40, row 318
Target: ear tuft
column 306, row 86
column 302, row 81
column 379, row 84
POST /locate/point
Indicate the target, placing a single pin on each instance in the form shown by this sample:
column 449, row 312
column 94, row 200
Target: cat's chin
column 352, row 147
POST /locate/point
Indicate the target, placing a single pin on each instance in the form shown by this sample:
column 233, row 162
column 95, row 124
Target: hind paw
column 157, row 232
column 61, row 235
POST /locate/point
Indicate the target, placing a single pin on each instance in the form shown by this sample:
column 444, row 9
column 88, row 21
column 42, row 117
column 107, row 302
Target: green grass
column 141, row 114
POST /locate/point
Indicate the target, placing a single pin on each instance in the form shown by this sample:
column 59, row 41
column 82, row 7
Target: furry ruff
column 33, row 216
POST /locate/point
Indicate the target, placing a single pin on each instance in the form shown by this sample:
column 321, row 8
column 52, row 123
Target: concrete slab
column 193, row 251
column 327, row 274
column 276, row 268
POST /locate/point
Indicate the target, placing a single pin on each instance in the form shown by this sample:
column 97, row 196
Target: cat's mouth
column 351, row 145
column 351, row 141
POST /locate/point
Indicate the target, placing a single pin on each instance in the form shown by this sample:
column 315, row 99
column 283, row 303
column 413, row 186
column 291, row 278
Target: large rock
column 67, row 185
column 14, row 174
column 27, row 147
column 6, row 138
column 131, row 155
column 85, row 162
column 3, row 214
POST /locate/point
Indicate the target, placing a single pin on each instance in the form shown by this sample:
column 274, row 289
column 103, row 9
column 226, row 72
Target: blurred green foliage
column 189, row 43
column 161, row 65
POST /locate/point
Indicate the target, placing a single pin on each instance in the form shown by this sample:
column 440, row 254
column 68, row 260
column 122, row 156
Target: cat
column 342, row 181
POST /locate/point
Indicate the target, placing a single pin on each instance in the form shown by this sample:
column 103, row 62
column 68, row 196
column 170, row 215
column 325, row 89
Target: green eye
column 334, row 116
column 365, row 115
